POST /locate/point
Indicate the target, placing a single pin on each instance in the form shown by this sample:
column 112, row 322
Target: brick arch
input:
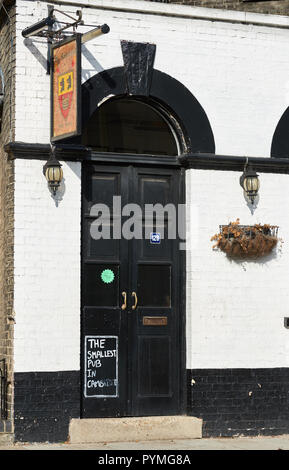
column 280, row 141
column 165, row 91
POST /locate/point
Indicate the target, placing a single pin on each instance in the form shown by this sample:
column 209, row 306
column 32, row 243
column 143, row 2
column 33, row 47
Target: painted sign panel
column 65, row 88
column 101, row 366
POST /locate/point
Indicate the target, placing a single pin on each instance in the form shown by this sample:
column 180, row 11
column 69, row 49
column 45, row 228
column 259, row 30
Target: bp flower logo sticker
column 107, row 276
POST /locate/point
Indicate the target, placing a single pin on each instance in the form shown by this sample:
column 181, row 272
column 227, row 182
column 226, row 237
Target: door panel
column 156, row 320
column 104, row 278
column 154, row 362
column 141, row 341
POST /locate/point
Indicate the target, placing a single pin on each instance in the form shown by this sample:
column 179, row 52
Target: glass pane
column 154, row 286
column 129, row 126
column 101, row 285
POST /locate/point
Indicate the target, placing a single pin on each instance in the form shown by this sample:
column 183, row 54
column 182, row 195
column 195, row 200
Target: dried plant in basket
column 246, row 241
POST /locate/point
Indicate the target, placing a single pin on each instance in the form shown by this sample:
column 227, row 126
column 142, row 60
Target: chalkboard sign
column 101, row 366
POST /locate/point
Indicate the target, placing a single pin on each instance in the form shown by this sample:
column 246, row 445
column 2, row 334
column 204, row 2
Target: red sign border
column 77, row 131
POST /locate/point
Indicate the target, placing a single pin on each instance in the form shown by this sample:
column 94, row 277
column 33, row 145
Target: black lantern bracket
column 51, row 160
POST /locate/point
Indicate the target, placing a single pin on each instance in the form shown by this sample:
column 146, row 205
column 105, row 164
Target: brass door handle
column 135, row 300
column 123, row 307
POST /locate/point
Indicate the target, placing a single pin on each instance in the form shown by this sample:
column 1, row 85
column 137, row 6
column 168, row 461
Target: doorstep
column 134, row 429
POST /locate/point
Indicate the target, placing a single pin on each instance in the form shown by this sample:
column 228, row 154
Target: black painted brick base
column 44, row 402
column 231, row 402
column 240, row 401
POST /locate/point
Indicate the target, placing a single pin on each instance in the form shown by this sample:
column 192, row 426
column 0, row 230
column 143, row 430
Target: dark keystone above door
column 138, row 59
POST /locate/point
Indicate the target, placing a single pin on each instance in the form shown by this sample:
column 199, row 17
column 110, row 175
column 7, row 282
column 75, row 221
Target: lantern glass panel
column 251, row 183
column 54, row 174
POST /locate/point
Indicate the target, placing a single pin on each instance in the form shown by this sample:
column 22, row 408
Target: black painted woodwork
column 190, row 119
column 138, row 59
column 151, row 358
column 204, row 161
column 233, row 163
column 156, row 88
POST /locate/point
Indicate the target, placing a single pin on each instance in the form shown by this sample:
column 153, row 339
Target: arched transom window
column 130, row 126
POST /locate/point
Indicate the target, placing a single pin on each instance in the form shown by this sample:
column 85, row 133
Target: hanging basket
column 245, row 241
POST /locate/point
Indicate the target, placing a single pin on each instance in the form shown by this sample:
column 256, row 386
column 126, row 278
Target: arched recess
column 128, row 125
column 185, row 112
column 280, row 141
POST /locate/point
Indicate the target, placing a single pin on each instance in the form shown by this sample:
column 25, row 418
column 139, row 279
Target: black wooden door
column 132, row 321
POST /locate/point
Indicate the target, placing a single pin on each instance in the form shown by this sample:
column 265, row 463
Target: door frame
column 142, row 161
column 183, row 111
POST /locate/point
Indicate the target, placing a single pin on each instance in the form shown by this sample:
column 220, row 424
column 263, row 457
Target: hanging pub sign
column 66, row 88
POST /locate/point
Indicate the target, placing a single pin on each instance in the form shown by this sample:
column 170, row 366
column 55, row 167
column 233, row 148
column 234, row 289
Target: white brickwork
column 47, row 270
column 236, row 310
column 240, row 75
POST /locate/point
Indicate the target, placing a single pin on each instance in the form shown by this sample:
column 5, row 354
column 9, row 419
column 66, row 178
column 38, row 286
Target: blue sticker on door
column 155, row 238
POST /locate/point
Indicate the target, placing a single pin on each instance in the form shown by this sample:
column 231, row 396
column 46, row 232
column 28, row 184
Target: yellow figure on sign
column 65, row 83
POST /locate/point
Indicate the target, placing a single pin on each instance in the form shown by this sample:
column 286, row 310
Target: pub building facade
column 169, row 106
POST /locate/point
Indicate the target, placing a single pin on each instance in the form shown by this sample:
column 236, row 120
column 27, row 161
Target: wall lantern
column 53, row 172
column 250, row 182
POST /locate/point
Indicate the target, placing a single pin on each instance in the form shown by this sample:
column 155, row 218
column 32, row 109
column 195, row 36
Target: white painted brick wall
column 240, row 75
column 47, row 270
column 236, row 310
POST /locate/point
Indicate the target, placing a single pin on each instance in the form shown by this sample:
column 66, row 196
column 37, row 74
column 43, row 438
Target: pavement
column 238, row 443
